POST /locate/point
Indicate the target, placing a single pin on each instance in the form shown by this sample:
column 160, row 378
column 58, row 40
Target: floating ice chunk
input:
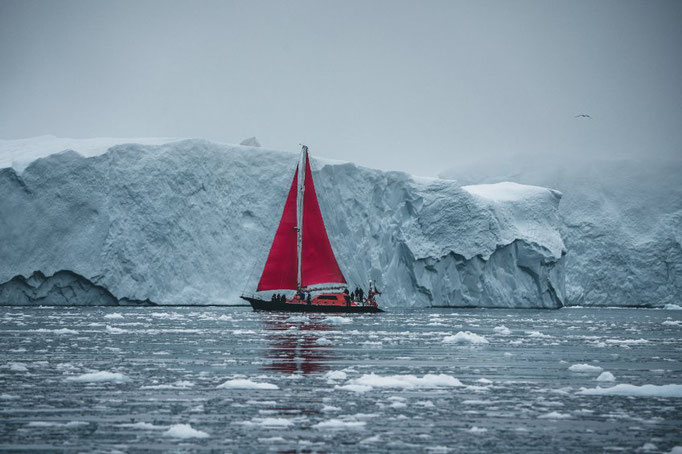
column 272, row 440
column 5, row 396
column 635, row 391
column 335, row 375
column 585, row 368
column 406, row 381
column 57, row 331
column 269, row 422
column 673, row 322
column 17, row 367
column 676, row 450
column 114, row 330
column 114, row 315
column 337, row 320
column 465, row 337
column 606, row 376
column 339, row 424
column 485, row 381
column 100, row 376
column 323, row 341
column 672, row 307
column 298, row 318
column 180, row 384
column 374, row 439
column 328, row 408
column 477, row 430
column 354, row 388
column 241, row 383
column 143, row 426
column 502, row 330
column 555, row 415
column 626, row 342
column 538, row 334
column 70, row 424
column 184, row 431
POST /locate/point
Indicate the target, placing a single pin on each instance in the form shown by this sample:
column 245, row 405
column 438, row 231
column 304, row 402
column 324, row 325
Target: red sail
column 281, row 268
column 318, row 264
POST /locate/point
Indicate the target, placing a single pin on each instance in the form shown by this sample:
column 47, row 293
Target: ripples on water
column 229, row 379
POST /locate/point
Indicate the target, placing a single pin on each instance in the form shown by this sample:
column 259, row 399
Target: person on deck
column 308, row 300
column 361, row 294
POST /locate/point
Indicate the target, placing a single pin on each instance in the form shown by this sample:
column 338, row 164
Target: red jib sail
column 281, row 268
column 318, row 264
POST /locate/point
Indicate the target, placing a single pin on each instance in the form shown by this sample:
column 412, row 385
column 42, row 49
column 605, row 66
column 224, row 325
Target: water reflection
column 296, row 345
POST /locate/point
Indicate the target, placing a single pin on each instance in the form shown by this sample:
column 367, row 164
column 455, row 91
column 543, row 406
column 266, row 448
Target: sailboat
column 301, row 259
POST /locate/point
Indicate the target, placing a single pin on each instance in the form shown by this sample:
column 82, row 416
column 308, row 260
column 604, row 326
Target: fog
column 413, row 86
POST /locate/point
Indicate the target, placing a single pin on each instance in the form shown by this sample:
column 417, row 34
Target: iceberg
column 190, row 222
column 621, row 219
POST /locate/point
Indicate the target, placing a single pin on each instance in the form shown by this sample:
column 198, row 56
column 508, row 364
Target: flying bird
column 582, row 116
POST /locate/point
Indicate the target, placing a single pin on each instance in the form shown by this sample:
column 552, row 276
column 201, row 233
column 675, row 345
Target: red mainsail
column 281, row 272
column 318, row 264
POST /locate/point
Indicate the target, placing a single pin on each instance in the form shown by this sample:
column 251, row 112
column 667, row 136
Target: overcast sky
column 404, row 85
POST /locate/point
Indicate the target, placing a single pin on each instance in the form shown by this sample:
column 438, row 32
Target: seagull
column 582, row 116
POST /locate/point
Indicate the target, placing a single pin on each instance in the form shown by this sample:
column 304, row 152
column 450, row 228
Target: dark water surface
column 133, row 379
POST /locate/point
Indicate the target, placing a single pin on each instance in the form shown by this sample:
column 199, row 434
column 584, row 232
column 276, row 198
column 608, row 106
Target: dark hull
column 262, row 305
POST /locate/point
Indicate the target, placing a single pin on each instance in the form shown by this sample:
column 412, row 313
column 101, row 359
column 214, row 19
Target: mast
column 299, row 211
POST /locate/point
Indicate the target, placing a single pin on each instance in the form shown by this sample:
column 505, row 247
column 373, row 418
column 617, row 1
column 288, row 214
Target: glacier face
column 190, row 222
column 621, row 220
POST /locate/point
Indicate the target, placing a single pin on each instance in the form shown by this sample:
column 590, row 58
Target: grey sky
column 412, row 86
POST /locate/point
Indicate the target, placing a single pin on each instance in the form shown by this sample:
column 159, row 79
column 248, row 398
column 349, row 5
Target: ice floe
column 587, row 368
column 142, row 426
column 465, row 337
column 241, row 383
column 114, row 315
column 100, row 376
column 555, row 415
column 502, row 330
column 339, row 424
column 184, row 431
column 404, row 381
column 606, row 376
column 635, row 391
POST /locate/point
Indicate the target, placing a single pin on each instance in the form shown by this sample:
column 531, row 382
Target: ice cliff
column 621, row 220
column 190, row 222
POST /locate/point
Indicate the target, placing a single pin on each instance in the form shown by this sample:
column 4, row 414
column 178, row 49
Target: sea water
column 229, row 379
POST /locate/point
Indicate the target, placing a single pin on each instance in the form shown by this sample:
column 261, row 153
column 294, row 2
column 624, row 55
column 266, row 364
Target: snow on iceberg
column 207, row 212
column 635, row 391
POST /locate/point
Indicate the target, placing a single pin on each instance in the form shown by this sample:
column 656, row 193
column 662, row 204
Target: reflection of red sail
column 280, row 271
column 318, row 264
